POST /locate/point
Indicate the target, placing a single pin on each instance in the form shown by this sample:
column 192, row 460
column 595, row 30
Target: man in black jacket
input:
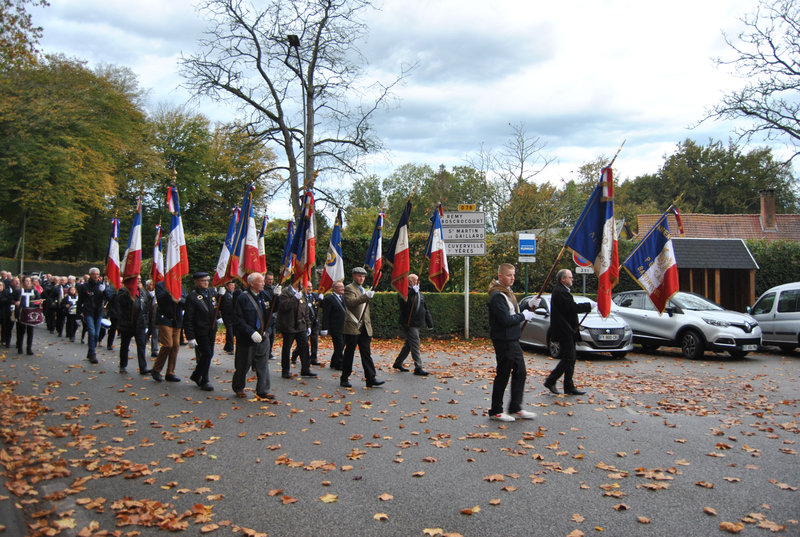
column 414, row 314
column 252, row 344
column 200, row 327
column 170, row 321
column 505, row 327
column 132, row 323
column 91, row 298
column 333, row 322
column 294, row 322
column 226, row 305
column 564, row 329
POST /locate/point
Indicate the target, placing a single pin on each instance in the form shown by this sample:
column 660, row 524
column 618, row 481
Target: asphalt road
column 656, row 441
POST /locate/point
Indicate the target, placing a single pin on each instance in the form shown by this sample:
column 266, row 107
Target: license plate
column 607, row 337
column 749, row 347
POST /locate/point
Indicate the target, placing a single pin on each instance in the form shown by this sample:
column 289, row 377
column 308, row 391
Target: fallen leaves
column 731, row 527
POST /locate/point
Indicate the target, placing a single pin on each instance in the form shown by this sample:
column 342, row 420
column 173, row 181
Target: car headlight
column 715, row 322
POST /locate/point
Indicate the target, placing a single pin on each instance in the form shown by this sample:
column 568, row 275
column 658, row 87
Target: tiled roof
column 727, row 226
column 713, row 254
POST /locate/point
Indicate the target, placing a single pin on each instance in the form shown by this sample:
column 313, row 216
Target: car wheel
column 619, row 354
column 554, row 347
column 737, row 354
column 787, row 347
column 692, row 345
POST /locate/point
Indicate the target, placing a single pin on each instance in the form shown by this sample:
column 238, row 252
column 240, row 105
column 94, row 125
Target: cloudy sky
column 582, row 76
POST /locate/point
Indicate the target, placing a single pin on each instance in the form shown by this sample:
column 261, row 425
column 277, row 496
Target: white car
column 690, row 321
column 611, row 334
column 778, row 313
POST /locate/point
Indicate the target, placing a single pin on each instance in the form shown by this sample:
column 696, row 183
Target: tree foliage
column 767, row 56
column 18, row 35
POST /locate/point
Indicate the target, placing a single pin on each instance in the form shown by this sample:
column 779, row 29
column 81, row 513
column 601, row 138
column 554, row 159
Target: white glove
column 101, row 287
column 323, row 333
column 528, row 314
column 370, row 293
column 535, row 301
column 277, row 290
column 320, row 296
column 298, row 295
column 593, row 303
column 416, row 288
column 221, row 291
column 192, row 343
column 256, row 337
column 220, row 321
column 152, row 293
column 308, row 331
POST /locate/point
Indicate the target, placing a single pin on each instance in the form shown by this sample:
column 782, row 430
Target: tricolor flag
column 157, row 270
column 177, row 257
column 303, row 253
column 439, row 272
column 244, row 255
column 220, row 275
column 652, row 264
column 262, row 247
column 334, row 263
column 286, row 259
column 398, row 256
column 132, row 260
column 595, row 238
column 112, row 259
column 374, row 259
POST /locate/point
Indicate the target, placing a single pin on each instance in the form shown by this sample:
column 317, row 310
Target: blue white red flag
column 262, row 246
column 374, row 259
column 652, row 264
column 221, row 273
column 334, row 262
column 157, row 270
column 286, row 259
column 439, row 271
column 112, row 259
column 244, row 254
column 595, row 238
column 397, row 255
column 304, row 244
column 177, row 265
column 132, row 260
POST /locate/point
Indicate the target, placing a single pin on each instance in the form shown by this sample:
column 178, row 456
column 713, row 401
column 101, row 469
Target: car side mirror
column 671, row 310
column 747, row 309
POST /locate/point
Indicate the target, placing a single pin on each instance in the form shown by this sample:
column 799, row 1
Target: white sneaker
column 525, row 415
column 502, row 417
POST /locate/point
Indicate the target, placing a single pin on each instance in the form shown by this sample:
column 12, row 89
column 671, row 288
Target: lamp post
column 294, row 42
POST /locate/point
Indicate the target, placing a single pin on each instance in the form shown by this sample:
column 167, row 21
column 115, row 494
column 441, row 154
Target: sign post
column 526, row 247
column 465, row 236
column 584, row 267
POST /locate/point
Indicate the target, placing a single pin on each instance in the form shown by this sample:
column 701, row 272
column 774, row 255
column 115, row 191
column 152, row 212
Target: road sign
column 472, row 219
column 584, row 270
column 457, row 249
column 580, row 260
column 464, row 232
column 457, row 234
column 527, row 259
column 527, row 244
column 467, row 207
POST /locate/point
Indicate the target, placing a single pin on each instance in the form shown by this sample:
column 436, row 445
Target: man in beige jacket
column 358, row 330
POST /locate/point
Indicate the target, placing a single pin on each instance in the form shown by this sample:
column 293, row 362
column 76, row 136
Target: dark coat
column 112, row 308
column 200, row 314
column 5, row 305
column 414, row 312
column 169, row 312
column 504, row 325
column 247, row 317
column 293, row 313
column 91, row 299
column 133, row 316
column 226, row 305
column 333, row 313
column 564, row 314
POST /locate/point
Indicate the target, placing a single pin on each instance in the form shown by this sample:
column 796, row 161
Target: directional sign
column 457, row 249
column 464, row 232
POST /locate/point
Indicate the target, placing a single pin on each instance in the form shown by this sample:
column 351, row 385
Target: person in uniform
column 313, row 300
column 228, row 319
column 252, row 344
column 132, row 324
column 200, row 327
column 358, row 330
column 333, row 312
column 294, row 322
column 25, row 297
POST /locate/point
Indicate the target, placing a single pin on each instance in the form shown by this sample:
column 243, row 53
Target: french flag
column 262, row 247
column 652, row 264
column 595, row 238
column 177, row 256
column 303, row 247
column 112, row 260
column 439, row 271
column 374, row 259
column 157, row 270
column 334, row 263
column 287, row 264
column 220, row 275
column 132, row 260
column 398, row 256
column 248, row 243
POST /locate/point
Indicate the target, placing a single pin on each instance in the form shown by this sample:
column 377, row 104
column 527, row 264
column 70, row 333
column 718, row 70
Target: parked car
column 611, row 335
column 778, row 313
column 691, row 322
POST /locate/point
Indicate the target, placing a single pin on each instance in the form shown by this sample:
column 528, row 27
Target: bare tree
column 768, row 56
column 294, row 69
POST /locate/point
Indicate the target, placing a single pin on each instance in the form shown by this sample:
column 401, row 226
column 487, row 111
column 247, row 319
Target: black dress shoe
column 30, row 352
column 156, row 376
column 375, row 382
column 421, row 372
column 309, row 374
column 400, row 367
column 123, row 371
column 552, row 388
column 286, row 375
column 206, row 387
column 345, row 384
column 574, row 391
column 92, row 359
column 145, row 371
column 171, row 378
column 195, row 377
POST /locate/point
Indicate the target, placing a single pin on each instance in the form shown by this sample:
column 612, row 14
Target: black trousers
column 362, row 341
column 302, row 345
column 566, row 365
column 141, row 346
column 338, row 349
column 22, row 331
column 510, row 363
column 72, row 326
column 6, row 328
column 203, row 353
column 229, row 337
column 61, row 316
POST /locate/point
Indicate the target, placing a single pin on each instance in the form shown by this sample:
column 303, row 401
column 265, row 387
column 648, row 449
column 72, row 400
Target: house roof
column 727, row 226
column 713, row 254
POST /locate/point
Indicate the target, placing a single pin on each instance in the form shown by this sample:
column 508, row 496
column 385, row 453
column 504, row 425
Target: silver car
column 690, row 321
column 778, row 313
column 611, row 335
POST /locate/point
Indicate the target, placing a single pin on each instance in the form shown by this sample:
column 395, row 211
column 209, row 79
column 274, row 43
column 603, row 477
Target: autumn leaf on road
column 329, row 498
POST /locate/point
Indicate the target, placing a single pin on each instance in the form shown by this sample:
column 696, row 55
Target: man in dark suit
column 333, row 322
column 414, row 314
column 132, row 324
column 252, row 343
column 226, row 309
column 564, row 328
column 200, row 327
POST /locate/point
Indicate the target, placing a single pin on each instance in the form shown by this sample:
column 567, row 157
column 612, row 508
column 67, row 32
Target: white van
column 778, row 313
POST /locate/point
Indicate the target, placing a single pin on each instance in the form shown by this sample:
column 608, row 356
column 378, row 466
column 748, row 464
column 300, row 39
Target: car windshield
column 693, row 302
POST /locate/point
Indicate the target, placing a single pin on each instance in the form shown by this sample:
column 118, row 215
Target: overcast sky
column 583, row 75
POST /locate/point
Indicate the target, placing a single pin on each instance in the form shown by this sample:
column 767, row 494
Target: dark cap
column 200, row 275
column 358, row 270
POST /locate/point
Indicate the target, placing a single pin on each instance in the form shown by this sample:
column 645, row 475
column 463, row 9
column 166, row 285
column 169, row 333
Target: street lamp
column 294, row 42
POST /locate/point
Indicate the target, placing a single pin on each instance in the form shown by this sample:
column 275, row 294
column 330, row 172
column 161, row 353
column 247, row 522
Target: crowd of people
column 252, row 315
